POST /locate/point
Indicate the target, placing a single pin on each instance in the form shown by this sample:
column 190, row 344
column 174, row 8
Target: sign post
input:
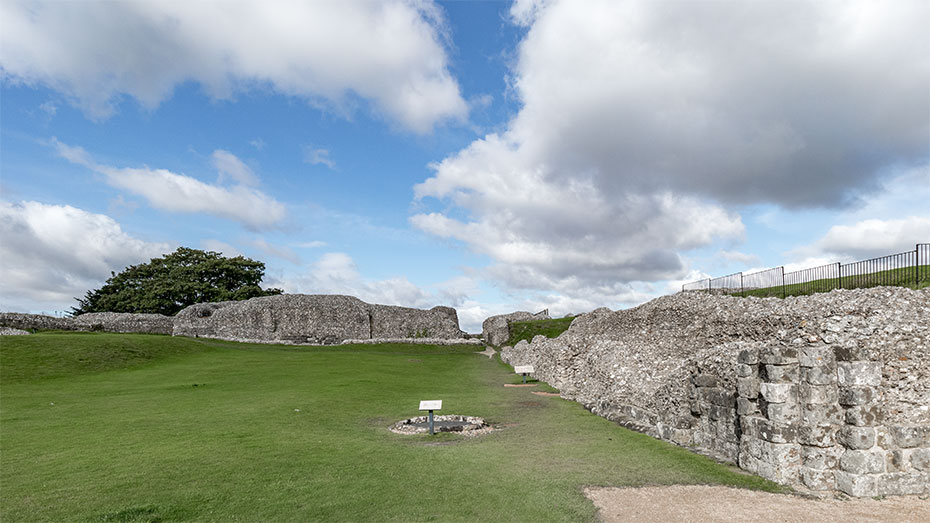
column 524, row 369
column 431, row 405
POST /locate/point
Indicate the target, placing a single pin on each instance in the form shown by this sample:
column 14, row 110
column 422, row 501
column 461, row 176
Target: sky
column 489, row 156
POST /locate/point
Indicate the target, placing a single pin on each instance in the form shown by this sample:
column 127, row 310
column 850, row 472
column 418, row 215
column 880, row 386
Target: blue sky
column 489, row 156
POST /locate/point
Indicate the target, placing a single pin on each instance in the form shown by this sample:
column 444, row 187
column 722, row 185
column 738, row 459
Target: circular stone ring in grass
column 467, row 425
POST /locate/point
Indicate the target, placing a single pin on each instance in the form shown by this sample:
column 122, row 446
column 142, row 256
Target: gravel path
column 725, row 504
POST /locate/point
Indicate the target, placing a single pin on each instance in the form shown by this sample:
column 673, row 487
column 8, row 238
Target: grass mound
column 526, row 330
column 190, row 429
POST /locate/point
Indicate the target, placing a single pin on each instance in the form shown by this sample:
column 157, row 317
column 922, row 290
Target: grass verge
column 526, row 330
column 216, row 431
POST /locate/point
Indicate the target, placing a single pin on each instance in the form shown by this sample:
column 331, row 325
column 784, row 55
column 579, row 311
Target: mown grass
column 109, row 427
column 527, row 330
column 906, row 277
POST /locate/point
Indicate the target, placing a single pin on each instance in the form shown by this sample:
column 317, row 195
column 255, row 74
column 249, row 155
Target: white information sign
column 431, row 405
column 523, row 369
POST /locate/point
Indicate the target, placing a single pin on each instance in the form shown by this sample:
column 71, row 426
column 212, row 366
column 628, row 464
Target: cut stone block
column 815, row 479
column 782, row 373
column 818, row 375
column 864, row 415
column 821, row 415
column 748, row 387
column 856, row 485
column 862, row 462
column 856, row 395
column 903, row 483
column 821, row 394
column 824, row 458
column 853, row 437
column 817, row 436
column 910, row 436
column 779, row 392
column 748, row 356
column 779, row 356
column 920, row 459
column 816, row 357
column 858, row 373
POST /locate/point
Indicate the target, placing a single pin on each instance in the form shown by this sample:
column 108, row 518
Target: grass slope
column 526, row 330
column 216, row 431
column 906, row 277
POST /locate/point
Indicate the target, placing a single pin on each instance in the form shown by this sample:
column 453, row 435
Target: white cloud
column 311, row 244
column 283, row 252
column 643, row 122
column 173, row 192
column 873, row 238
column 390, row 53
column 258, row 143
column 51, row 254
column 230, row 166
column 318, row 156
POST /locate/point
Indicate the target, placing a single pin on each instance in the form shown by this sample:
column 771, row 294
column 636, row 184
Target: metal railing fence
column 901, row 269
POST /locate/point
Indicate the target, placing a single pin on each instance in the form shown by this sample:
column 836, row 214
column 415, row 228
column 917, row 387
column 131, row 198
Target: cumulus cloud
column 230, row 166
column 51, row 254
column 173, row 192
column 329, row 53
column 873, row 238
column 642, row 123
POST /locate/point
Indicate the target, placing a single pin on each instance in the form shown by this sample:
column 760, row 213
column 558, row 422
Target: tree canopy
column 167, row 285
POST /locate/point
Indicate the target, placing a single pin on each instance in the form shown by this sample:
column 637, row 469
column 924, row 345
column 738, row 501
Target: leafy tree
column 167, row 285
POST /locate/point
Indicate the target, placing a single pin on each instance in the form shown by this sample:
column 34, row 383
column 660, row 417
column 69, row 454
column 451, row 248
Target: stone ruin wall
column 95, row 321
column 286, row 318
column 496, row 329
column 825, row 392
column 314, row 319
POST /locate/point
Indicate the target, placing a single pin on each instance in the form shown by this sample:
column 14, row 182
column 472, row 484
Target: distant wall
column 824, row 392
column 315, row 319
column 96, row 321
column 286, row 318
column 496, row 329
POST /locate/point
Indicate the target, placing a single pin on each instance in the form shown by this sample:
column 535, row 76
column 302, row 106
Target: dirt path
column 703, row 503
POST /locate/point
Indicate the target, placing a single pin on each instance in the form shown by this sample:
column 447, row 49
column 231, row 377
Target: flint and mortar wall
column 95, row 321
column 316, row 319
column 826, row 392
column 496, row 329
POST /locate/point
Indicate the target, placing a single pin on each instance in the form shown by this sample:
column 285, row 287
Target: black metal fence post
column 784, row 291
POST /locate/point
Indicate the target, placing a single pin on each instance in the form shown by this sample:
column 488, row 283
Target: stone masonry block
column 746, row 371
column 745, row 407
column 820, row 394
column 920, row 459
column 816, row 357
column 858, row 373
column 902, row 484
column 823, row 458
column 850, row 354
column 818, row 375
column 863, row 462
column 821, row 415
column 783, row 412
column 898, row 460
column 816, row 479
column 856, row 485
column 748, row 356
column 779, row 392
column 775, row 432
column 748, row 387
column 857, row 438
column 779, row 356
column 910, row 436
column 856, row 395
column 817, row 436
column 782, row 373
column 705, row 380
column 864, row 415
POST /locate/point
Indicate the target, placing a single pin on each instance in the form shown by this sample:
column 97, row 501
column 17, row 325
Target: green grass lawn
column 526, row 330
column 907, row 277
column 110, row 427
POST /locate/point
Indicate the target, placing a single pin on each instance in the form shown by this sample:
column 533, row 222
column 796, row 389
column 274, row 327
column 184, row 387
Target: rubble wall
column 496, row 329
column 824, row 392
column 314, row 319
column 94, row 321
